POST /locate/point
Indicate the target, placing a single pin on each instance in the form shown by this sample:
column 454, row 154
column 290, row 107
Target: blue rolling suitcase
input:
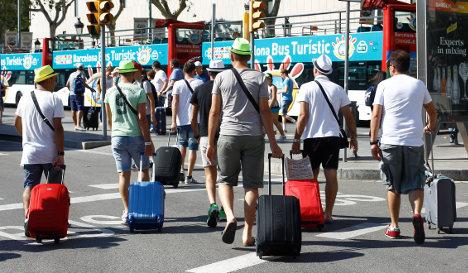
column 146, row 205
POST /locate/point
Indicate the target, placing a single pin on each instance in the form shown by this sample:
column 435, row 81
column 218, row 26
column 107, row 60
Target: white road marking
column 460, row 205
column 105, row 186
column 93, row 198
column 230, row 265
column 111, row 220
column 3, row 154
column 353, row 231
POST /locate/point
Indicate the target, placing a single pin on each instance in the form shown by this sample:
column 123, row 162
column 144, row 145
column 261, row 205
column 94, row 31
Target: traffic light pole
column 103, row 81
column 252, row 43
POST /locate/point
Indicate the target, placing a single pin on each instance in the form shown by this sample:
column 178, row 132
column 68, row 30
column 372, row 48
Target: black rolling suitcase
column 91, row 118
column 167, row 162
column 439, row 200
column 278, row 222
column 161, row 120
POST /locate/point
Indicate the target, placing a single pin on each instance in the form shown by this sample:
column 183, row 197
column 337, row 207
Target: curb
column 86, row 145
column 371, row 174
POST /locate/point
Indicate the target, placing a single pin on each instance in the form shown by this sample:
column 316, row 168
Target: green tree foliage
column 8, row 16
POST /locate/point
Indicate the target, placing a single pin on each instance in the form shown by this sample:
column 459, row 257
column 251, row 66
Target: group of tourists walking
column 225, row 114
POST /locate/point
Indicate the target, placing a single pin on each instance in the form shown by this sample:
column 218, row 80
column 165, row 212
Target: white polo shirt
column 321, row 122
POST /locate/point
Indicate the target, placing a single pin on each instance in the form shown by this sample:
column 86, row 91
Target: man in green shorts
column 241, row 143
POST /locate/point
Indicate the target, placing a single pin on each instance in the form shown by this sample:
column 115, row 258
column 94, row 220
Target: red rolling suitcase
column 48, row 212
column 308, row 193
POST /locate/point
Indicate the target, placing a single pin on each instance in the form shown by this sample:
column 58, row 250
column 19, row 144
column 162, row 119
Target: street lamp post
column 37, row 46
column 18, row 38
column 213, row 18
column 79, row 30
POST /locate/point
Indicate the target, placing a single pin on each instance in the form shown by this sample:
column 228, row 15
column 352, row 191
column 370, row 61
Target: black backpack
column 153, row 89
column 369, row 95
column 79, row 85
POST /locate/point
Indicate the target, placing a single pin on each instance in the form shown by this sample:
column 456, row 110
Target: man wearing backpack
column 77, row 85
column 181, row 110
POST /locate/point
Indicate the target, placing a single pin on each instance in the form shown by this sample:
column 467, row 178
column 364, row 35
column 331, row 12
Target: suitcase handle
column 62, row 167
column 153, row 174
column 270, row 155
column 169, row 138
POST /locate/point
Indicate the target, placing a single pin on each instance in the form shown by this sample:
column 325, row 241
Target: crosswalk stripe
column 93, row 198
column 229, row 265
column 353, row 231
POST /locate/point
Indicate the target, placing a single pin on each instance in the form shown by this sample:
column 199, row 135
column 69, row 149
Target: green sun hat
column 43, row 73
column 241, row 47
column 127, row 66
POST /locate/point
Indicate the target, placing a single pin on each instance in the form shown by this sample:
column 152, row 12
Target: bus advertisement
column 297, row 53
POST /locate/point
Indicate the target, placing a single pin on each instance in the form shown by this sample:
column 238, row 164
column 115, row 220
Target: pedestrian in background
column 159, row 81
column 398, row 108
column 2, row 95
column 201, row 105
column 42, row 134
column 320, row 130
column 286, row 97
column 151, row 98
column 370, row 92
column 201, row 73
column 176, row 75
column 241, row 144
column 126, row 111
column 77, row 85
column 181, row 110
column 274, row 106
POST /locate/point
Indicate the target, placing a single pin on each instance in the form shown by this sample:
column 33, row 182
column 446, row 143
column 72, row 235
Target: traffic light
column 257, row 14
column 99, row 14
column 93, row 17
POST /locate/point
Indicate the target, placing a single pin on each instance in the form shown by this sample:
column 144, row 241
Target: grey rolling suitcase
column 439, row 201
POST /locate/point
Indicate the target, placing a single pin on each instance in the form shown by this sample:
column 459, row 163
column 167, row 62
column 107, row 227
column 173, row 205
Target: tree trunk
column 53, row 30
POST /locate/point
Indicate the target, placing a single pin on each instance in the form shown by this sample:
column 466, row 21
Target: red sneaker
column 418, row 224
column 392, row 232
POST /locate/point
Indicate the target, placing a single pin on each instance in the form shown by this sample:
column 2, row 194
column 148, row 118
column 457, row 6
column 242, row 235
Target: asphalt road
column 98, row 243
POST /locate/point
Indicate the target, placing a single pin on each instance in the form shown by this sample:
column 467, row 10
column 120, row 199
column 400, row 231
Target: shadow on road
column 8, row 256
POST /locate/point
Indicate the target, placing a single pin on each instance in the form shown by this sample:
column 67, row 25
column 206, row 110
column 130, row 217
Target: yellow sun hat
column 43, row 73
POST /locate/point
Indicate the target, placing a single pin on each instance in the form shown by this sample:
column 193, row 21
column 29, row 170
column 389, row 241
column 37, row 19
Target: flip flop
column 229, row 232
column 251, row 243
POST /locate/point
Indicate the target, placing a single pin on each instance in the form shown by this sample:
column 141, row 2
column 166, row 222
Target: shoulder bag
column 244, row 88
column 126, row 101
column 36, row 104
column 343, row 138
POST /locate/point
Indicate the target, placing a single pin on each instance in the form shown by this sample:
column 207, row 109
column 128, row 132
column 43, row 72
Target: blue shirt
column 176, row 74
column 288, row 96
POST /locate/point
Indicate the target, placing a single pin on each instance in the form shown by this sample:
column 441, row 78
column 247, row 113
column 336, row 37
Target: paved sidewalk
column 450, row 160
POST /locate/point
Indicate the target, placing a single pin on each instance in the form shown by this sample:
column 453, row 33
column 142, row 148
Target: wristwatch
column 374, row 142
column 61, row 153
column 148, row 143
column 296, row 140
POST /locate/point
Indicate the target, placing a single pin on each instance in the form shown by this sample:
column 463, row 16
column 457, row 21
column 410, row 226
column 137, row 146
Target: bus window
column 404, row 21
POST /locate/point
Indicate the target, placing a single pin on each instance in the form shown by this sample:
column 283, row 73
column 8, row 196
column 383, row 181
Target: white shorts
column 203, row 146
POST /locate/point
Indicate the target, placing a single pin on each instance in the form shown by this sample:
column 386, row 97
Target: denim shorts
column 125, row 149
column 186, row 138
column 285, row 106
column 33, row 174
column 77, row 102
column 402, row 168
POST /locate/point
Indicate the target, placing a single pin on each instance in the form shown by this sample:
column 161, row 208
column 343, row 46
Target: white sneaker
column 124, row 217
column 191, row 180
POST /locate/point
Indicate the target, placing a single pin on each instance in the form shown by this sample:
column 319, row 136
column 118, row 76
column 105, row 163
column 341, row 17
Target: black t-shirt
column 202, row 97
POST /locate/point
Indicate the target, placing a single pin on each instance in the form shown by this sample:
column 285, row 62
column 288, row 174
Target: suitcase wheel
column 132, row 230
column 450, row 230
column 175, row 185
column 159, row 229
column 260, row 255
column 320, row 227
column 57, row 240
column 38, row 239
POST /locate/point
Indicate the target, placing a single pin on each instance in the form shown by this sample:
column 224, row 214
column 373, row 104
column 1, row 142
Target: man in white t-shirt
column 43, row 138
column 181, row 110
column 159, row 81
column 398, row 109
column 319, row 129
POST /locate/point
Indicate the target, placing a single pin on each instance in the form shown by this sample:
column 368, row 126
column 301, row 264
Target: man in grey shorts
column 398, row 106
column 241, row 142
